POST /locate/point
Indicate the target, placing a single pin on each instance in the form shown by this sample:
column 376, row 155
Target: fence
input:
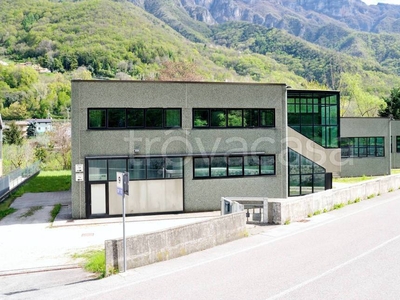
column 14, row 179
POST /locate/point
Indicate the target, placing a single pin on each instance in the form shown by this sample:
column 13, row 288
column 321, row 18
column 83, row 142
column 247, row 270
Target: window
column 97, row 118
column 129, row 118
column 398, row 144
column 315, row 115
column 218, row 118
column 305, row 176
column 218, row 167
column 135, row 117
column 363, row 147
column 174, row 167
column 114, row 166
column 267, row 118
column 97, row 170
column 233, row 166
column 154, row 118
column 172, row 118
column 155, row 168
column 116, row 118
column 139, row 168
column 201, row 167
column 233, row 118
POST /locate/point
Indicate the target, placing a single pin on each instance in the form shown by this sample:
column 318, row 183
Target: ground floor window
column 233, row 166
column 146, row 168
column 305, row 176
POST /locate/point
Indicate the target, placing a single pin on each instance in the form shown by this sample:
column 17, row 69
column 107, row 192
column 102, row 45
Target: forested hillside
column 108, row 39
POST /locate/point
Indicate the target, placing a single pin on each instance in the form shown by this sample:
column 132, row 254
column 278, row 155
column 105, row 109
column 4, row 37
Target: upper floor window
column 233, row 118
column 131, row 118
column 363, row 147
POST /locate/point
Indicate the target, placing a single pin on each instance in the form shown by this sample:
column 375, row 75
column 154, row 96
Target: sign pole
column 123, row 229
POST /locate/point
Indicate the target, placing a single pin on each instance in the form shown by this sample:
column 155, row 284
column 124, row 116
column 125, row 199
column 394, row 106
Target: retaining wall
column 162, row 245
column 298, row 208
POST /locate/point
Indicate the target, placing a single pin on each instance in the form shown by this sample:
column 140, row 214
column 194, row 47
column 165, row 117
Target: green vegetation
column 316, row 213
column 50, row 181
column 94, row 261
column 338, row 206
column 357, row 200
column 45, row 181
column 54, row 212
column 31, row 211
column 353, row 179
column 371, row 196
column 287, row 222
column 120, row 40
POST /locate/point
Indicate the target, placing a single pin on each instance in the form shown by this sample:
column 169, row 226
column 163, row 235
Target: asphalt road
column 351, row 253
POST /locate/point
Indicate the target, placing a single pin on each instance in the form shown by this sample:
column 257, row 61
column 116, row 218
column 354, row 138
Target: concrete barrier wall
column 162, row 245
column 294, row 209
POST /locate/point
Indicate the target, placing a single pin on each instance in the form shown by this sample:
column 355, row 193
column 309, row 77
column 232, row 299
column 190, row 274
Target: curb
column 39, row 270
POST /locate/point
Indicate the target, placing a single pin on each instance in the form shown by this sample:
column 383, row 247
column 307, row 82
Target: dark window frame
column 146, row 159
column 356, row 149
column 126, row 127
column 226, row 110
column 244, row 175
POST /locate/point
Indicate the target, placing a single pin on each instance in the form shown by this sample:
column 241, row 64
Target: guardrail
column 14, row 179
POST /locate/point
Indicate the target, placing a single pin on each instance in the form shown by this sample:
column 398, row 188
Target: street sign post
column 122, row 190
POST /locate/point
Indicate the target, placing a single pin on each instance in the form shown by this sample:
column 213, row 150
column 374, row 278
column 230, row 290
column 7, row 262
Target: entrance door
column 98, row 198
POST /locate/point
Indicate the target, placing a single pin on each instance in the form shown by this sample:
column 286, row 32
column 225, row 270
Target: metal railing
column 256, row 208
column 15, row 178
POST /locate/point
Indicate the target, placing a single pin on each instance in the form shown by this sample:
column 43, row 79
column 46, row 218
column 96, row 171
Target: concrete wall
column 162, row 245
column 298, row 208
column 366, row 127
column 199, row 194
column 327, row 158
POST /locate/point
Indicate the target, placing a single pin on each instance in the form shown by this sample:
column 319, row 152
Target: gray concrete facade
column 366, row 127
column 198, row 194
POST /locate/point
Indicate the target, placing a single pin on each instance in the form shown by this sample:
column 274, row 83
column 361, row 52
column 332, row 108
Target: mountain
column 298, row 17
column 341, row 44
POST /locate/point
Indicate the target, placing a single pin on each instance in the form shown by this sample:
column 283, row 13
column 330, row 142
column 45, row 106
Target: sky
column 382, row 1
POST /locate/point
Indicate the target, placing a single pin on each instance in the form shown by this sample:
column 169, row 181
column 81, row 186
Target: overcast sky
column 382, row 1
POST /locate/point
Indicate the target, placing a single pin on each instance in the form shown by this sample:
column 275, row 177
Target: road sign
column 120, row 183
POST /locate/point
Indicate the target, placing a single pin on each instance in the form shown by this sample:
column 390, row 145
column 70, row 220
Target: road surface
column 350, row 253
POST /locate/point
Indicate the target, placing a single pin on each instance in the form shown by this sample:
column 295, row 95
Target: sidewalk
column 29, row 243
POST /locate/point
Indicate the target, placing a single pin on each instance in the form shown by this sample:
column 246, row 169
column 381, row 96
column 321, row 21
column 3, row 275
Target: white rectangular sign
column 120, row 183
column 79, row 176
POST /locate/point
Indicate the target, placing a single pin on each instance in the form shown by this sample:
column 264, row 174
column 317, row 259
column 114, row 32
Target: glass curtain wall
column 315, row 114
column 305, row 176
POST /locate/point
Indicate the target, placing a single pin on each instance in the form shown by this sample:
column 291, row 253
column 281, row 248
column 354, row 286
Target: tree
column 392, row 105
column 178, row 71
column 60, row 137
column 13, row 135
column 31, row 130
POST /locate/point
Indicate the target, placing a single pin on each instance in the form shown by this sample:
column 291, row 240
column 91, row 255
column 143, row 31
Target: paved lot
column 29, row 243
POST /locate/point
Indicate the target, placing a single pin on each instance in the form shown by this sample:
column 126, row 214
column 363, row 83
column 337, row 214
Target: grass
column 54, row 212
column 45, row 181
column 31, row 211
column 353, row 179
column 48, row 181
column 94, row 261
column 287, row 222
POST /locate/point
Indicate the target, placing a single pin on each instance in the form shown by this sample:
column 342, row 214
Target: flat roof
column 177, row 82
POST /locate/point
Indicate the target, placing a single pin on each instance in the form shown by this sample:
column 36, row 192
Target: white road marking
column 131, row 283
column 304, row 283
